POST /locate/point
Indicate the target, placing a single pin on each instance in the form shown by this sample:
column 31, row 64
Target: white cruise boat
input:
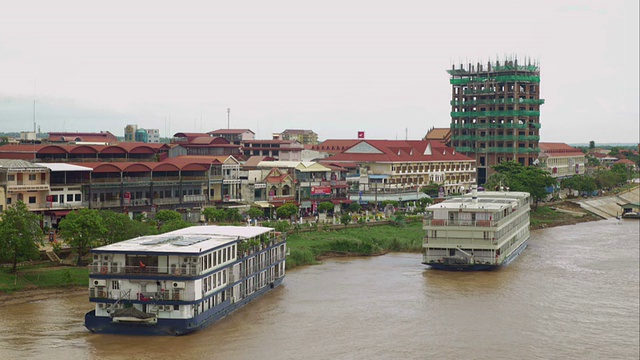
column 478, row 231
column 181, row 281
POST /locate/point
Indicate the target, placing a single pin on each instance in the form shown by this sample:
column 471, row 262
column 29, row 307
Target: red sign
column 360, row 134
column 49, row 198
column 127, row 195
column 320, row 190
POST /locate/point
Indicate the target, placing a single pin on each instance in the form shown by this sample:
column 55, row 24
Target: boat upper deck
column 491, row 201
column 191, row 240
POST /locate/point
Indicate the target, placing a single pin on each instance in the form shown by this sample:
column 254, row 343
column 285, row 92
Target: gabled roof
column 393, row 151
column 253, row 161
column 13, row 164
column 625, row 161
column 552, row 149
column 229, row 131
column 276, row 176
column 334, row 146
column 312, row 167
column 438, row 134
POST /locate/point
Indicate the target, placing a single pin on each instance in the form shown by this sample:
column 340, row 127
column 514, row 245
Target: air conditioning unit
column 99, row 282
column 168, row 308
column 178, row 285
column 100, row 305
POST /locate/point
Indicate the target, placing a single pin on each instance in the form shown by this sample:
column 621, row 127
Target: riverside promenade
column 610, row 206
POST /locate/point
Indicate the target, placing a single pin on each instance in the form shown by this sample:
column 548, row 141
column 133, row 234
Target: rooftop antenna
column 34, row 105
column 228, row 116
column 406, row 133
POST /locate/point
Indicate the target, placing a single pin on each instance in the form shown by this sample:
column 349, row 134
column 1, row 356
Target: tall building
column 495, row 113
column 301, row 136
column 130, row 132
column 153, row 135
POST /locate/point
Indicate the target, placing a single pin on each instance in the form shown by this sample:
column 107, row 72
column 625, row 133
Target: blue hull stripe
column 479, row 267
column 104, row 325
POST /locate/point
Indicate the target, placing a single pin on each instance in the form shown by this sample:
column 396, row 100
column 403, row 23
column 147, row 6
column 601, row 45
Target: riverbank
column 34, row 283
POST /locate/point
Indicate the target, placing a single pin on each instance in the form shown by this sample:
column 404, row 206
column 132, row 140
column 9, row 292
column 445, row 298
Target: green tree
column 232, row 215
column 345, row 219
column 164, row 216
column 214, row 214
column 254, row 212
column 20, row 235
column 529, row 179
column 172, row 225
column 120, row 227
column 285, row 211
column 82, row 229
column 592, row 144
column 325, row 207
column 432, row 189
column 354, row 207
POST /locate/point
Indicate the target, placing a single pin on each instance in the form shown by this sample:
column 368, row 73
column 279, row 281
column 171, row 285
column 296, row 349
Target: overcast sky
column 335, row 67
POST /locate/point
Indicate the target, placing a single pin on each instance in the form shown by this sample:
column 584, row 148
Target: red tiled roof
column 392, row 151
column 83, row 136
column 229, row 131
column 558, row 149
column 335, row 146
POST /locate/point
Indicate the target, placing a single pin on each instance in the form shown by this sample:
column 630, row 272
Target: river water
column 574, row 293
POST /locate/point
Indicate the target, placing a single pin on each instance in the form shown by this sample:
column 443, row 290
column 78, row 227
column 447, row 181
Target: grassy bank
column 307, row 248
column 42, row 276
column 547, row 216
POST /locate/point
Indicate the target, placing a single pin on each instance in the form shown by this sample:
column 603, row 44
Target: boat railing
column 475, row 223
column 163, row 295
column 146, row 270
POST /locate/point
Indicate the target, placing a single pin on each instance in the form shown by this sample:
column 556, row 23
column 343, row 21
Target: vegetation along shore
column 39, row 280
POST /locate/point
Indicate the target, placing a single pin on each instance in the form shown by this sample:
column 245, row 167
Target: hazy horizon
column 332, row 67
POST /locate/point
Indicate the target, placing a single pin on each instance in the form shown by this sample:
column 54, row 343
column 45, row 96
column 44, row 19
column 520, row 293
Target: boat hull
column 480, row 267
column 163, row 326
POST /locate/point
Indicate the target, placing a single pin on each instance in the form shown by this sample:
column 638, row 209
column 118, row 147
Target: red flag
column 360, row 134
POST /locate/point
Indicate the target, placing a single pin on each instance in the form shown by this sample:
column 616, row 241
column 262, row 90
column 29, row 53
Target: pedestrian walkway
column 610, row 206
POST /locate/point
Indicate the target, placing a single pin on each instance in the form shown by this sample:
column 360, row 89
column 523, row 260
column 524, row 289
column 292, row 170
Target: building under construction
column 495, row 113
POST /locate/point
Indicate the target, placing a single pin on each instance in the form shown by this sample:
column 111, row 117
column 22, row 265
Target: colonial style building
column 397, row 167
column 561, row 160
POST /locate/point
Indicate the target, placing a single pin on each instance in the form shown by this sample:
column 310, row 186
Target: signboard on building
column 127, row 198
column 321, row 190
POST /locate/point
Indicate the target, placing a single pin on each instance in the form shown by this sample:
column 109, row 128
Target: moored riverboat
column 482, row 230
column 179, row 282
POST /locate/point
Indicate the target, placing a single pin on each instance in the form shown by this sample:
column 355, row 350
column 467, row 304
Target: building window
column 78, row 197
column 32, row 177
column 54, row 198
column 11, row 177
column 69, row 197
column 8, row 201
column 32, row 199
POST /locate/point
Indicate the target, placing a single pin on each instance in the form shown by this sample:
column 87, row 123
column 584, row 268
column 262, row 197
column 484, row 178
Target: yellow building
column 24, row 181
column 561, row 160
